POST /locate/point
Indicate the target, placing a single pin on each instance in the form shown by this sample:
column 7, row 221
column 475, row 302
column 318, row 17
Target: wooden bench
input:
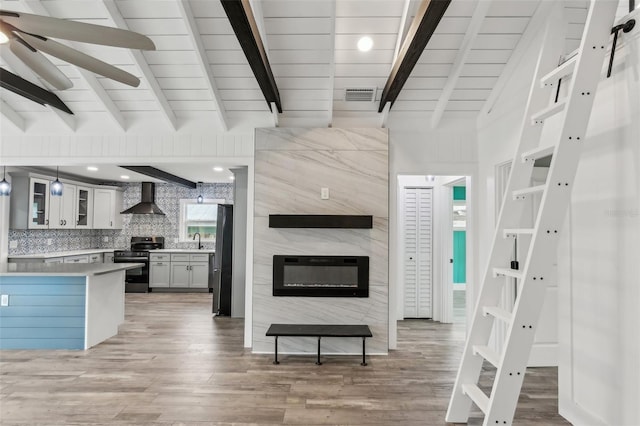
column 319, row 331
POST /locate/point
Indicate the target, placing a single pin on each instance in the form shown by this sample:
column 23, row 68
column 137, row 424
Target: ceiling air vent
column 360, row 95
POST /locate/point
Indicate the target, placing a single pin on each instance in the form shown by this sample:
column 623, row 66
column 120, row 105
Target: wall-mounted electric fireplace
column 321, row 276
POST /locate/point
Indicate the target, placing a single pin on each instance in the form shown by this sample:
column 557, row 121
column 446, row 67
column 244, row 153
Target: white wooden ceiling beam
column 89, row 78
column 13, row 117
column 139, row 59
column 332, row 64
column 201, row 54
column 535, row 26
column 274, row 113
column 384, row 116
column 402, row 29
column 27, row 73
column 480, row 12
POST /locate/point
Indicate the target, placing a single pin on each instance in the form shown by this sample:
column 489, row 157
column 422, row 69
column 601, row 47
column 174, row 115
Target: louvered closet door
column 418, row 209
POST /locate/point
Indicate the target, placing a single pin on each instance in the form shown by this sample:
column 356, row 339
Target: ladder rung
column 507, row 273
column 499, row 313
column 487, row 353
column 515, row 232
column 566, row 68
column 522, row 193
column 477, row 396
column 548, row 112
column 537, row 153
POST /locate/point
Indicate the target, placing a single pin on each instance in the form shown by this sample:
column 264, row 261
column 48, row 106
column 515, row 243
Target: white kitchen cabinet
column 84, row 207
column 83, row 258
column 95, row 258
column 199, row 263
column 189, row 270
column 107, row 205
column 180, row 275
column 159, row 270
column 29, row 206
column 108, row 257
column 62, row 209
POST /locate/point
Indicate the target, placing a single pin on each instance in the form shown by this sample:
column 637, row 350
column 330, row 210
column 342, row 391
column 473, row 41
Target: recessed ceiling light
column 124, row 177
column 365, row 44
column 92, row 168
column 232, row 177
column 218, row 169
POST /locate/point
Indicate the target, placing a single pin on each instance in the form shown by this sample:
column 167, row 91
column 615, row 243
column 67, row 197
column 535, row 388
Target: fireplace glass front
column 321, row 276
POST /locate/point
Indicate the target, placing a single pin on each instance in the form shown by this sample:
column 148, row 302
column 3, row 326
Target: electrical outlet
column 105, row 239
column 49, row 241
column 13, row 244
column 324, row 193
column 4, row 300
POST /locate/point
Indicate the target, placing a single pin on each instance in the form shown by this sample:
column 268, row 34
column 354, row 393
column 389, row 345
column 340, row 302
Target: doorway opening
column 433, row 241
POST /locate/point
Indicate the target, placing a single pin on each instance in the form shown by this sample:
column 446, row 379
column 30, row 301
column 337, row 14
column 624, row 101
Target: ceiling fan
column 28, row 35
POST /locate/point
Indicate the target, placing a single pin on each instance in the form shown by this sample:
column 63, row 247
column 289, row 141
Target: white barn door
column 418, row 242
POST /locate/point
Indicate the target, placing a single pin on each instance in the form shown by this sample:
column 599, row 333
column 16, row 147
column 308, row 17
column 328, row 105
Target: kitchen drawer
column 95, row 258
column 54, row 260
column 179, row 257
column 77, row 259
column 160, row 257
column 199, row 257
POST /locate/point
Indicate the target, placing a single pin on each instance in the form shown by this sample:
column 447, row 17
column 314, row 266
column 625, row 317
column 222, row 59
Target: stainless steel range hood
column 147, row 203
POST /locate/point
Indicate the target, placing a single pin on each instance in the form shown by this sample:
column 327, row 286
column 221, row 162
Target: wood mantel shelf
column 320, row 221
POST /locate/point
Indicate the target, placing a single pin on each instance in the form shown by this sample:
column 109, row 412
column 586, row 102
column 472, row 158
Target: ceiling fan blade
column 76, row 31
column 40, row 65
column 82, row 60
column 34, row 93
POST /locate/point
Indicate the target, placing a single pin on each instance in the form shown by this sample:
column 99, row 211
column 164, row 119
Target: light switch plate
column 105, row 239
column 13, row 244
column 49, row 241
column 4, row 300
column 324, row 193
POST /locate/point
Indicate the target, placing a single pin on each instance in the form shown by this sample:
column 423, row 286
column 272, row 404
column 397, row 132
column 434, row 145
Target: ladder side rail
column 539, row 270
column 491, row 290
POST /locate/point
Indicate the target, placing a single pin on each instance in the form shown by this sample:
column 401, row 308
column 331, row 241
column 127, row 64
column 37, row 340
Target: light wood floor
column 172, row 364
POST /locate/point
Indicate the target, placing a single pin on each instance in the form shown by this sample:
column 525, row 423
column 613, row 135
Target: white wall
column 598, row 266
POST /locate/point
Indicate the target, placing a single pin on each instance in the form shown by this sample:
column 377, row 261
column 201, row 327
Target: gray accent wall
column 291, row 167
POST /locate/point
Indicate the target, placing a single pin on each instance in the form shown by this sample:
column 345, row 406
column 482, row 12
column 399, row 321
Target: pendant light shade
column 5, row 187
column 56, row 186
column 200, row 198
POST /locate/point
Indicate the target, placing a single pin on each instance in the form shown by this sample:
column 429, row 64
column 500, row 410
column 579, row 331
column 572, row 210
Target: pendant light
column 200, row 198
column 5, row 187
column 56, row 186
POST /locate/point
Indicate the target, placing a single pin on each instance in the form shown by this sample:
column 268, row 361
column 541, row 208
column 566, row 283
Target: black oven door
column 136, row 279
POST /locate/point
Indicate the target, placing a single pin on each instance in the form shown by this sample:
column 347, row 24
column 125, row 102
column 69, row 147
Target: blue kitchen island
column 60, row 306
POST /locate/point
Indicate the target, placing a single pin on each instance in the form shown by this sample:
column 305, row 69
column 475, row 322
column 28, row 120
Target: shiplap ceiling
column 199, row 71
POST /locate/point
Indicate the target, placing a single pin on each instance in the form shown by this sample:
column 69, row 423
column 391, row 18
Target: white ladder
column 584, row 70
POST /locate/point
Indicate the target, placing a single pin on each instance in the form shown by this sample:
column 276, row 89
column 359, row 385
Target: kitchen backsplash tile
column 168, row 198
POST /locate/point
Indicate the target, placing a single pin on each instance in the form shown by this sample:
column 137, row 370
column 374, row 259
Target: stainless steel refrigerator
column 223, row 261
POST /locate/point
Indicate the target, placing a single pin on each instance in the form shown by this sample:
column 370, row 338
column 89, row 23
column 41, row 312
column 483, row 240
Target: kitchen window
column 202, row 218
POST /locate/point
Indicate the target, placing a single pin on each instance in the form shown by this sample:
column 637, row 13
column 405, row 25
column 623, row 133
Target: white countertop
column 181, row 251
column 64, row 269
column 60, row 254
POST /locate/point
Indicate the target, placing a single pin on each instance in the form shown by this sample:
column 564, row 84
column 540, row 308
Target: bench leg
column 364, row 362
column 276, row 352
column 318, row 361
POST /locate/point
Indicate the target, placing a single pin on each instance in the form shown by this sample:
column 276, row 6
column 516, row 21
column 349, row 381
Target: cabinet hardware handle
column 46, row 222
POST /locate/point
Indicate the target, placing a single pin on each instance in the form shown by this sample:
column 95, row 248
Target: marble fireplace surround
column 291, row 167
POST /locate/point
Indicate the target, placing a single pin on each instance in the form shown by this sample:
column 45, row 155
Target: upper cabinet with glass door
column 84, row 207
column 39, row 204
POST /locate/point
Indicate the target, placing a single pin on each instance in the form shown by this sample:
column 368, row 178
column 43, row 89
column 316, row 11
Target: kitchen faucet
column 194, row 238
